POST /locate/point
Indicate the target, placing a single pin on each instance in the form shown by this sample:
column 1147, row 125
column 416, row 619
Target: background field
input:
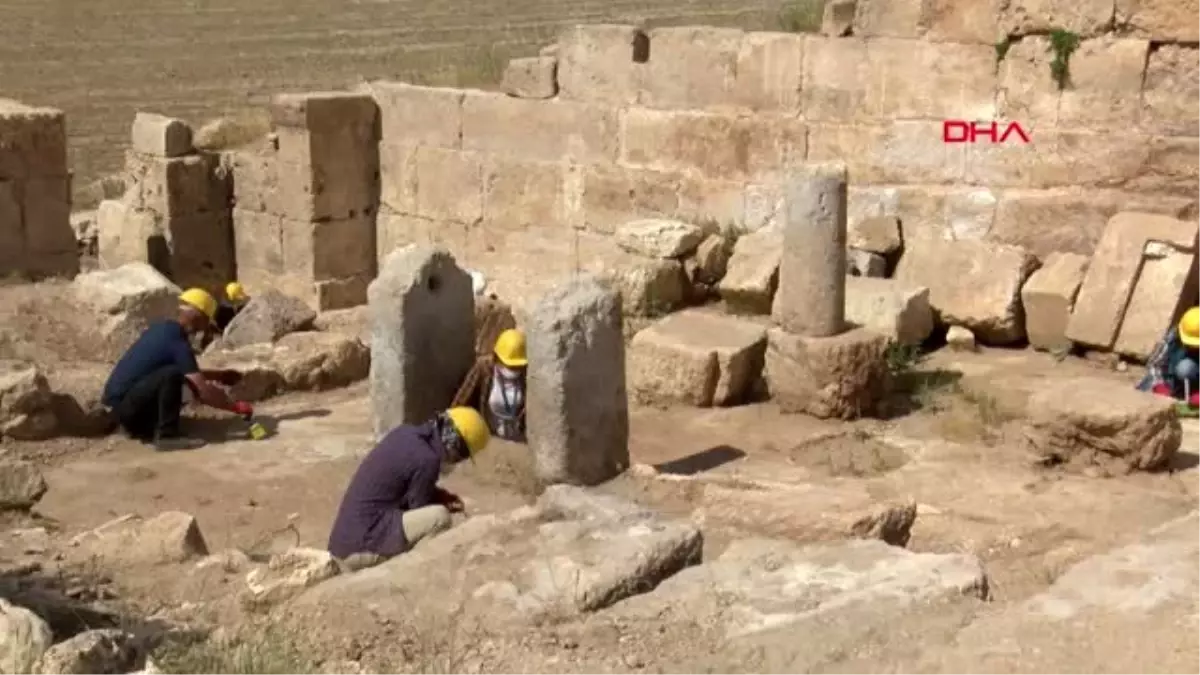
column 103, row 60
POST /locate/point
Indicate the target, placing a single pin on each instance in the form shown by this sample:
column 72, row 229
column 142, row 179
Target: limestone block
column 288, row 574
column 547, row 131
column 1027, row 90
column 395, row 231
column 35, row 141
column 47, row 216
column 1160, row 20
column 330, row 173
column 768, row 72
column 690, row 67
column 811, row 298
column 712, row 259
column 1106, row 84
column 860, row 263
column 880, row 18
column 650, row 287
column 578, row 408
column 601, row 63
column 717, row 146
column 329, row 250
column 413, row 115
column 1172, row 166
column 126, row 235
column 327, row 112
column 169, row 537
column 696, row 358
column 843, row 376
column 161, row 136
column 900, row 152
column 960, row 339
column 422, row 314
column 104, row 650
column 1083, row 17
column 941, row 213
column 610, row 196
column 1160, row 284
column 24, row 638
column 1171, row 94
column 531, row 77
column 1115, row 426
column 659, row 238
column 837, row 77
column 876, row 234
column 449, row 185
column 125, row 301
column 201, row 250
column 12, row 229
column 258, row 246
column 890, row 308
column 1108, row 284
column 304, row 361
column 398, row 176
column 753, row 273
column 975, row 284
column 964, row 21
column 342, row 293
column 719, row 205
column 521, row 196
column 1048, row 297
column 267, row 317
column 908, row 79
column 837, row 19
column 174, row 186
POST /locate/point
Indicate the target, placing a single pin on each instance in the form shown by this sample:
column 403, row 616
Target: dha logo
column 962, row 131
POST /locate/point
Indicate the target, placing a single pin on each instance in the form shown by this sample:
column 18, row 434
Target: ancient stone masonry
column 307, row 199
column 174, row 214
column 36, row 238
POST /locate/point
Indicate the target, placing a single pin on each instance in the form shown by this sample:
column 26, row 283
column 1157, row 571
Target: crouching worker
column 235, row 300
column 145, row 389
column 496, row 387
column 394, row 501
column 1174, row 368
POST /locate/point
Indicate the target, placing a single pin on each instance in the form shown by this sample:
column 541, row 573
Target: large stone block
column 890, row 308
column 422, row 314
column 327, row 113
column 47, row 216
column 942, row 213
column 768, row 72
column 650, row 287
column 334, row 173
column 1082, row 17
column 717, row 146
column 1048, row 297
column 690, row 67
column 127, row 235
column 1115, row 426
column 1171, row 93
column 837, row 79
column 395, row 231
column 304, row 361
column 546, row 131
column 578, row 408
column 12, row 229
column 1104, row 295
column 174, row 186
column 258, row 245
column 901, row 152
column 1076, row 158
column 520, row 196
column 125, row 301
column 880, row 18
column 1172, row 166
column 908, row 80
column 1106, row 85
column 201, row 250
column 1160, row 20
column 974, row 284
column 601, row 63
column 35, row 141
column 752, row 274
column 659, row 238
column 601, row 198
column 964, row 21
column 531, row 77
column 843, row 376
column 449, row 185
column 161, row 136
column 398, row 176
column 415, row 115
column 696, row 358
column 1160, row 283
column 1027, row 90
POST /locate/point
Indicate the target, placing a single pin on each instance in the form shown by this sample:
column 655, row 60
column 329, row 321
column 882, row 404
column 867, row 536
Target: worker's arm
column 422, row 486
column 206, row 391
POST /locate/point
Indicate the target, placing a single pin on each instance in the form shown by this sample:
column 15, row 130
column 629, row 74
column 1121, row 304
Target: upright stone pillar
column 307, row 200
column 811, row 299
column 577, row 408
column 422, row 316
column 36, row 238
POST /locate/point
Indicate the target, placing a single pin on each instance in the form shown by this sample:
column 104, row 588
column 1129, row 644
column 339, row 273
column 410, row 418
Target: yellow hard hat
column 235, row 292
column 201, row 300
column 1189, row 327
column 510, row 348
column 471, row 427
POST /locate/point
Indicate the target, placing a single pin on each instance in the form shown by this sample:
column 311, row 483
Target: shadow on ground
column 227, row 428
column 699, row 462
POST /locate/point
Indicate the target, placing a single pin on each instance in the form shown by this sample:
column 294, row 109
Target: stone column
column 36, row 238
column 577, row 408
column 811, row 299
column 422, row 316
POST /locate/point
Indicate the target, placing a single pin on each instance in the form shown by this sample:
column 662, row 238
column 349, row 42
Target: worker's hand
column 1161, row 390
column 242, row 408
column 451, row 501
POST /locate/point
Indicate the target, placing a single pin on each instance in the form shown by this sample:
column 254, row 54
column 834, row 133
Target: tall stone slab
column 36, row 238
column 577, row 406
column 422, row 317
column 811, row 299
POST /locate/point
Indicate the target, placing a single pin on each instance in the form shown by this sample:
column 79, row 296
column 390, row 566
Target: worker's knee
column 440, row 519
column 425, row 522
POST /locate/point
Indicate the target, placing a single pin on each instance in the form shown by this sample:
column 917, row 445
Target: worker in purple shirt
column 394, row 501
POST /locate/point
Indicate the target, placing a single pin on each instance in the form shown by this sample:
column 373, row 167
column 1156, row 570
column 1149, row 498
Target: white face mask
column 506, row 373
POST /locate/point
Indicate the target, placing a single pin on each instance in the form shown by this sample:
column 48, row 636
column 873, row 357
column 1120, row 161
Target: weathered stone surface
column 960, row 339
column 837, row 19
column 422, row 310
column 651, row 287
column 287, row 574
column 106, row 650
column 267, row 317
column 1171, row 93
column 24, row 637
column 696, row 358
column 898, row 152
column 522, row 196
column 308, row 361
column 1086, row 18
column 25, row 402
column 169, row 537
column 763, row 591
column 712, row 260
column 657, row 238
column 811, row 299
column 1160, row 20
column 877, row 234
column 575, row 552
column 75, row 400
column 1160, row 284
column 37, row 141
column 1112, row 272
column 450, row 185
column 1048, row 297
column 890, row 308
column 531, row 77
column 753, row 272
column 1106, row 84
column 975, row 284
column 842, row 376
column 861, row 263
column 768, row 71
column 691, row 67
column 600, row 62
column 1115, row 426
column 161, row 136
column 544, row 131
column 21, row 485
column 416, row 115
column 126, row 300
column 577, row 404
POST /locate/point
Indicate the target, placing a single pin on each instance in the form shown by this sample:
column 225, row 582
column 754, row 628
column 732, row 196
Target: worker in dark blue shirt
column 145, row 389
column 394, row 501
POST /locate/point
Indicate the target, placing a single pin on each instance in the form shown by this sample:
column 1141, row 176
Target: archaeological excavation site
column 812, row 382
